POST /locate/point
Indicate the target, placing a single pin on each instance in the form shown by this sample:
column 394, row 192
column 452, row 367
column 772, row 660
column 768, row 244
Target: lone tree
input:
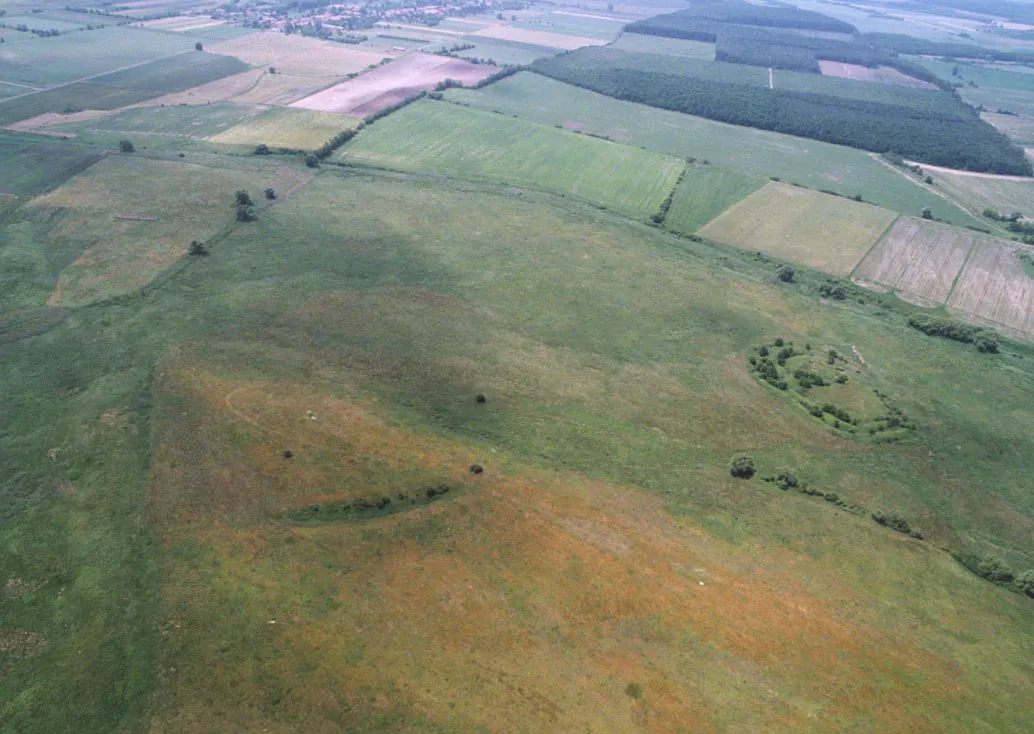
column 272, row 70
column 261, row 149
column 312, row 161
column 197, row 249
column 927, row 213
column 742, row 467
column 126, row 146
column 270, row 194
column 786, row 274
column 244, row 213
column 243, row 198
column 198, row 46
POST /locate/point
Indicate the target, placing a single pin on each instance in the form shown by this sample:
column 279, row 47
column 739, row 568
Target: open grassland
column 285, row 127
column 392, row 83
column 667, row 46
column 296, row 55
column 501, row 52
column 706, row 192
column 438, row 137
column 1005, row 195
column 111, row 91
column 558, row 41
column 570, row 23
column 919, row 259
column 758, row 152
column 604, row 571
column 997, row 287
column 44, row 166
column 1019, row 128
column 184, row 121
column 828, row 233
column 124, row 221
column 72, row 56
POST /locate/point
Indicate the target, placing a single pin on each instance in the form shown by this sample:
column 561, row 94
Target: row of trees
column 965, row 142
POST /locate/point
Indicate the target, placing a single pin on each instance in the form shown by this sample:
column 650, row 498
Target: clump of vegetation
column 244, row 204
column 197, row 249
column 786, row 274
column 896, row 521
column 833, row 289
column 269, row 194
column 742, row 467
column 261, row 149
column 983, row 339
column 363, row 508
column 662, row 213
column 634, row 690
column 998, row 572
column 126, row 146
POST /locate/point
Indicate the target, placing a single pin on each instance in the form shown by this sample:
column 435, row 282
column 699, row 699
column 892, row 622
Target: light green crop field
column 288, row 127
column 828, row 233
column 155, row 578
column 572, row 23
column 187, row 121
column 1019, row 128
column 73, row 56
column 795, row 160
column 704, row 193
column 38, row 168
column 41, row 22
column 981, row 75
column 1001, row 193
column 1018, row 101
column 667, row 46
column 445, row 138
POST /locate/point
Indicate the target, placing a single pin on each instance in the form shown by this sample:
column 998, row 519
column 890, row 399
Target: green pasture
column 48, row 61
column 756, row 152
column 38, row 168
column 571, row 25
column 41, row 22
column 666, row 46
column 442, row 138
column 608, row 348
column 183, row 121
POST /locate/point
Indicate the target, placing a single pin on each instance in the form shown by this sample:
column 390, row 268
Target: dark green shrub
column 994, row 569
column 742, row 467
column 785, row 479
column 1025, row 583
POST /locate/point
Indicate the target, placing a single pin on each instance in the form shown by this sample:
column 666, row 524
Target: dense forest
column 921, row 47
column 739, row 12
column 954, row 136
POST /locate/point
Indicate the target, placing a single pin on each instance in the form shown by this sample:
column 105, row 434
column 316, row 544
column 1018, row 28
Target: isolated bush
column 994, row 569
column 243, row 198
column 893, row 520
column 927, row 213
column 779, row 341
column 311, row 161
column 270, row 194
column 244, row 213
column 476, row 469
column 261, row 149
column 125, row 146
column 198, row 46
column 786, row 274
column 1025, row 583
column 785, row 479
column 480, row 399
column 742, row 467
column 197, row 249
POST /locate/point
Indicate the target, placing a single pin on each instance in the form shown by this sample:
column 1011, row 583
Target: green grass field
column 41, row 22
column 980, row 75
column 706, row 192
column 445, row 138
column 184, row 121
column 76, row 55
column 502, row 52
column 667, row 46
column 121, row 88
column 38, row 168
column 757, row 152
column 151, row 583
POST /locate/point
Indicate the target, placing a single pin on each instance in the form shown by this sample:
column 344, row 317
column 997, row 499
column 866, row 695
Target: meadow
column 1002, row 194
column 444, row 138
column 181, row 121
column 49, row 61
column 352, row 323
column 827, row 233
column 37, row 168
column 666, row 46
column 756, row 152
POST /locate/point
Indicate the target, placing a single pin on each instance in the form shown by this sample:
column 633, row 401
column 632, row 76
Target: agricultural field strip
column 994, row 287
column 438, row 137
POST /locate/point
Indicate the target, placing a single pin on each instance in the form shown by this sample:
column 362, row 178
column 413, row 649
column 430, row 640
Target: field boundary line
column 955, row 281
column 771, row 80
column 875, row 244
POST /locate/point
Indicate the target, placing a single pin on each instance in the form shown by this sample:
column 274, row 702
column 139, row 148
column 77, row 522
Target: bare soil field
column 1004, row 194
column 995, row 288
column 297, row 55
column 538, row 38
column 880, row 75
column 392, row 83
column 825, row 232
column 918, row 259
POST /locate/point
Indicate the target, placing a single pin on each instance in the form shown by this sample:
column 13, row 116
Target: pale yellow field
column 220, row 90
column 538, row 38
column 131, row 218
column 182, row 23
column 825, row 232
column 919, row 259
column 285, row 127
column 296, row 55
column 995, row 288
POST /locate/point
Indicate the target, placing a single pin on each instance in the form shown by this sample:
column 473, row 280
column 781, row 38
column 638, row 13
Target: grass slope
column 604, row 569
column 757, row 152
column 444, row 138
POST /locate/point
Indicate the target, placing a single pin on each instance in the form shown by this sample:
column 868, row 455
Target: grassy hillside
column 704, row 193
column 444, row 138
column 150, row 497
column 795, row 160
